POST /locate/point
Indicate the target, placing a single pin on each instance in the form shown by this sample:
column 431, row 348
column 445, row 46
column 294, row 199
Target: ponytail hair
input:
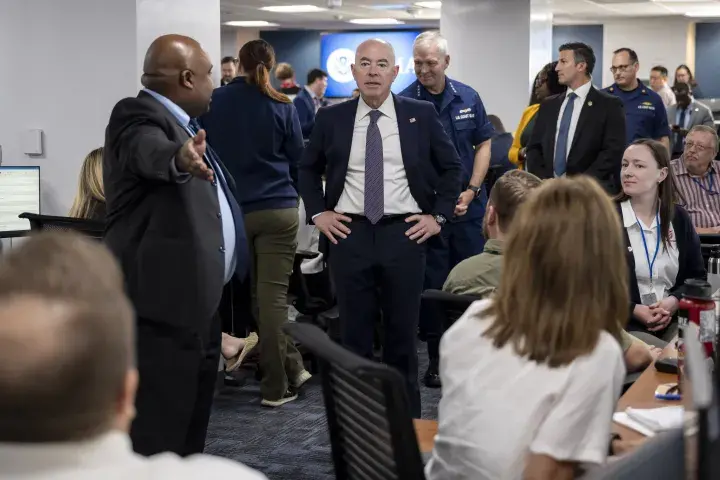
column 257, row 58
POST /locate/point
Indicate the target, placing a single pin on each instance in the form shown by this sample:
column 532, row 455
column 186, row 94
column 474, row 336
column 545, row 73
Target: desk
column 425, row 431
column 640, row 395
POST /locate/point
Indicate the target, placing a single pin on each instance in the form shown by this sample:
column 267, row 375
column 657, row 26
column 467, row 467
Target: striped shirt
column 700, row 195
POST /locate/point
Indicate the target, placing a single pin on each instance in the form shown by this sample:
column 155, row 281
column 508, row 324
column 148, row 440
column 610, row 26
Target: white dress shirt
column 110, row 457
column 582, row 93
column 497, row 407
column 667, row 95
column 667, row 263
column 398, row 199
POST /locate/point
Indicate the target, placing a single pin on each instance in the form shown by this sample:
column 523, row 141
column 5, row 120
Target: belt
column 385, row 220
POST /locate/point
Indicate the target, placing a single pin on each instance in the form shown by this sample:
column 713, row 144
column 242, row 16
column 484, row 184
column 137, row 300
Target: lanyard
column 651, row 264
column 712, row 183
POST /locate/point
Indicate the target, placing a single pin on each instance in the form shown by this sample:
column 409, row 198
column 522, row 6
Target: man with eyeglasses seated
column 645, row 115
column 696, row 178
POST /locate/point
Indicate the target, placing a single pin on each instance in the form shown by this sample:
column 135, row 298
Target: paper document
column 623, row 419
column 658, row 419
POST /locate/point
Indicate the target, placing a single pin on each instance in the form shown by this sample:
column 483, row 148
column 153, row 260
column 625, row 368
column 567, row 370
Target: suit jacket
column 699, row 115
column 167, row 235
column 690, row 259
column 431, row 161
column 305, row 107
column 597, row 146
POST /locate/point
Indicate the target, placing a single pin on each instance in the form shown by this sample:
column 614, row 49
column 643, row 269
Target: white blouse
column 667, row 262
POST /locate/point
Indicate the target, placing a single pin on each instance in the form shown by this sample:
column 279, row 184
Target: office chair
column 448, row 306
column 90, row 228
column 315, row 307
column 368, row 412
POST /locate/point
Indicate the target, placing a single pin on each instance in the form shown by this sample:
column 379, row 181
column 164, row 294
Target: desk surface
column 640, row 395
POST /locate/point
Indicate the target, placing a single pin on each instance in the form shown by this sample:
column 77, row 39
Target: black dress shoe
column 432, row 378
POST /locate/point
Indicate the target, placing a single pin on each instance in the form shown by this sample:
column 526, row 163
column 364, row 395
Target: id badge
column 648, row 299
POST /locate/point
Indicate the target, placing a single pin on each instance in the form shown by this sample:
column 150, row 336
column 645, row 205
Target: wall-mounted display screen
column 337, row 52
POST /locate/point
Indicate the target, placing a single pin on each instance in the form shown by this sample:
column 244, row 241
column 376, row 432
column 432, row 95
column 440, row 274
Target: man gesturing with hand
column 174, row 224
column 393, row 179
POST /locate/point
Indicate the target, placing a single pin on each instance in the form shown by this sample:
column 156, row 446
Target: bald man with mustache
column 393, row 179
column 177, row 230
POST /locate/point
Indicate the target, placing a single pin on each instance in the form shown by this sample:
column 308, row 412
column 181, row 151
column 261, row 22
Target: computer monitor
column 702, row 426
column 19, row 193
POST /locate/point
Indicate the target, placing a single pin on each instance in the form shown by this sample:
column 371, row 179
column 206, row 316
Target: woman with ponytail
column 256, row 132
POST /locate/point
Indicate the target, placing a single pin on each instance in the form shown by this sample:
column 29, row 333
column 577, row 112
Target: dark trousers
column 378, row 269
column 178, row 370
column 457, row 242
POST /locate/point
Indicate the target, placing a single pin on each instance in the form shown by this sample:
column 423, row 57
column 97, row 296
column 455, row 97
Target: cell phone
column 668, row 391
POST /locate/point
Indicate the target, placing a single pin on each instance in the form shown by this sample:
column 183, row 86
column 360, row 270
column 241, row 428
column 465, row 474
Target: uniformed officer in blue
column 645, row 115
column 463, row 115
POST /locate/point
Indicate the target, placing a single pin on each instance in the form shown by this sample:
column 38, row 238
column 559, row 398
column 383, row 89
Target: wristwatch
column 475, row 190
column 440, row 219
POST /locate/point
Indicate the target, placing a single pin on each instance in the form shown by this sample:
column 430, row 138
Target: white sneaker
column 300, row 380
column 289, row 396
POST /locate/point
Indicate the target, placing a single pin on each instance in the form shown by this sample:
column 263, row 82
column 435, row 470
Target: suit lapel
column 585, row 115
column 407, row 130
column 343, row 134
column 555, row 104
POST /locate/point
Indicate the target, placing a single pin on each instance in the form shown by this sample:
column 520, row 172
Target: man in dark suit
column 310, row 98
column 177, row 230
column 581, row 131
column 393, row 177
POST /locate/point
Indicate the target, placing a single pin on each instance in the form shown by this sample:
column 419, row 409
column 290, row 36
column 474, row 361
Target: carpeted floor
column 287, row 443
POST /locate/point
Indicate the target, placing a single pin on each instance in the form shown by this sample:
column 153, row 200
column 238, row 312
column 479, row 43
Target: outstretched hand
column 189, row 158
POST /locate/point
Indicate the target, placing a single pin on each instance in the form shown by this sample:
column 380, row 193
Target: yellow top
column 527, row 115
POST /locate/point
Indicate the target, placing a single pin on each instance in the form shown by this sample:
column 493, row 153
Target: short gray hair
column 708, row 130
column 432, row 38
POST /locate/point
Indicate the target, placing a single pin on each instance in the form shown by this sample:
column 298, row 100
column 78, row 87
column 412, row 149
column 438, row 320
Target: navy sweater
column 260, row 142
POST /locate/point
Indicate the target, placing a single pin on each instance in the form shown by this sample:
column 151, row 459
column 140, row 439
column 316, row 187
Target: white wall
column 490, row 42
column 199, row 19
column 657, row 41
column 233, row 38
column 62, row 73
column 65, row 64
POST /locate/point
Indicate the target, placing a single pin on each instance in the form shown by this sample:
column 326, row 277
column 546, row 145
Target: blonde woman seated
column 531, row 377
column 89, row 201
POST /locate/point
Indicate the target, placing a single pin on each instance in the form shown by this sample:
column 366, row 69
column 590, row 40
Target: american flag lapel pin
column 412, row 120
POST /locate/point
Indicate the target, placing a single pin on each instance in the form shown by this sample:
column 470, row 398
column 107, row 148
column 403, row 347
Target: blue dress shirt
column 228, row 223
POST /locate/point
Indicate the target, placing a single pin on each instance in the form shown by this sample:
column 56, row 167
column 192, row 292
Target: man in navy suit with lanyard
column 393, row 180
column 174, row 224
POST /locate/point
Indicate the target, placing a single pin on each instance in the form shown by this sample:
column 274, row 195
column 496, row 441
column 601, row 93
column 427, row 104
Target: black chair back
column 368, row 412
column 90, row 228
column 448, row 306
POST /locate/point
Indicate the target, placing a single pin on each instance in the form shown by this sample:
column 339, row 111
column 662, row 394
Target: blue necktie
column 374, row 171
column 563, row 134
column 241, row 248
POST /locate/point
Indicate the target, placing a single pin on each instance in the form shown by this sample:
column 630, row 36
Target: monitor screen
column 337, row 53
column 19, row 193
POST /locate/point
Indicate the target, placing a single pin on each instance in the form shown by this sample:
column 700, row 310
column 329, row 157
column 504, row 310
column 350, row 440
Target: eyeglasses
column 699, row 147
column 621, row 68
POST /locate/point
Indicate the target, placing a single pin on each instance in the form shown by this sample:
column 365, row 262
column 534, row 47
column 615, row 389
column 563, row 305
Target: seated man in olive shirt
column 480, row 275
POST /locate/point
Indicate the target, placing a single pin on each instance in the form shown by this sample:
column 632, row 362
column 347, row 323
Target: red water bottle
column 697, row 306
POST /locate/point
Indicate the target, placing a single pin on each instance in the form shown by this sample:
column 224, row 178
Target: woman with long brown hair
column 256, row 132
column 539, row 364
column 89, row 202
column 663, row 247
